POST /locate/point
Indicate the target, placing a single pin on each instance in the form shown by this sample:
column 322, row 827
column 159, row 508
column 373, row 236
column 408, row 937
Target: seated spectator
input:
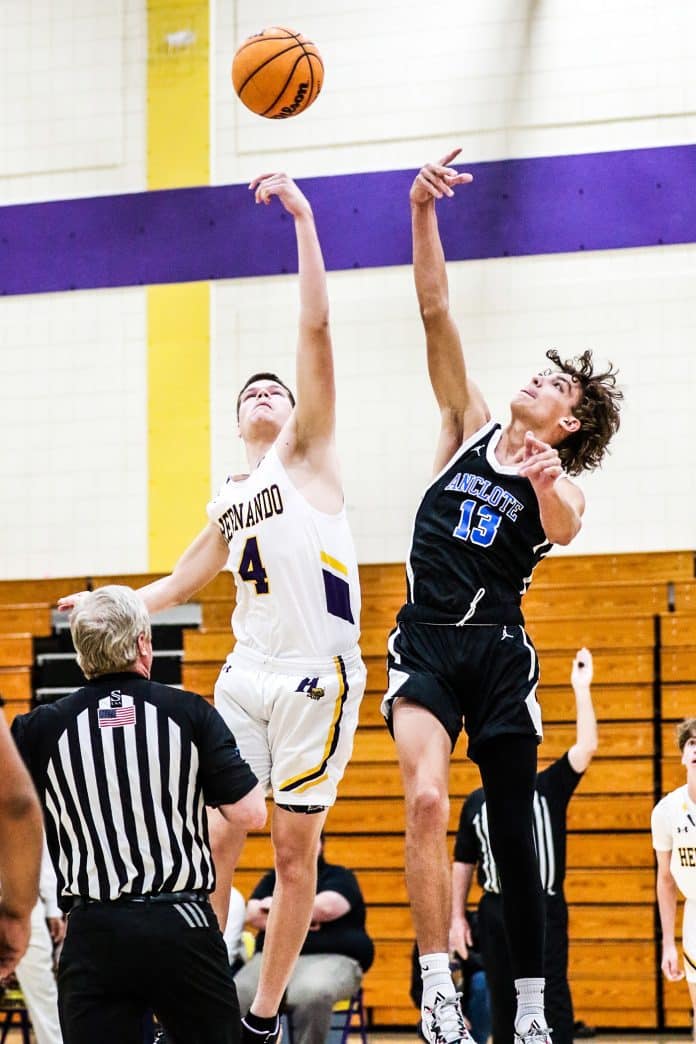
column 469, row 978
column 334, row 956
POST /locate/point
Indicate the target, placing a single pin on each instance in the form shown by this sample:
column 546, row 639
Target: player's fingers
column 437, row 177
column 449, row 157
column 461, row 178
column 533, row 466
column 259, row 178
column 429, row 185
column 531, row 440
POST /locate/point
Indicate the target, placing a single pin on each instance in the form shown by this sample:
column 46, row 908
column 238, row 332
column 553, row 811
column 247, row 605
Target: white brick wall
column 498, row 77
column 73, row 427
column 72, row 98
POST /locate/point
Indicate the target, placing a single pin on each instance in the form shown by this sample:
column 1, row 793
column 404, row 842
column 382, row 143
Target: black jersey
column 476, row 539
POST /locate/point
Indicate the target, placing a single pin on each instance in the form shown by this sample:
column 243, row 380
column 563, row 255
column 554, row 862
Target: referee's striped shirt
column 124, row 768
column 554, row 788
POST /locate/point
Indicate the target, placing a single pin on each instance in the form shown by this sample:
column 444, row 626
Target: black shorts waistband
column 508, row 613
column 153, row 897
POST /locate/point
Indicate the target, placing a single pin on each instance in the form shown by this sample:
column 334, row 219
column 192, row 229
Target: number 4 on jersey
column 251, row 567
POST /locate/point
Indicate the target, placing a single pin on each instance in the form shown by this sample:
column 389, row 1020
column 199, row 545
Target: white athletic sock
column 436, row 978
column 530, row 1004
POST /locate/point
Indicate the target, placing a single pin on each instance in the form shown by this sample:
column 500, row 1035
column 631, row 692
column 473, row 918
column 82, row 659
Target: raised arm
column 21, row 840
column 462, row 407
column 314, row 417
column 200, row 563
column 586, row 738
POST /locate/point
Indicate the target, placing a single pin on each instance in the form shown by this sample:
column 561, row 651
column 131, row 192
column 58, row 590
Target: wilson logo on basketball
column 288, row 110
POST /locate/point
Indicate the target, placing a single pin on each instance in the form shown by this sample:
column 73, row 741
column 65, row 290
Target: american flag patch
column 108, row 719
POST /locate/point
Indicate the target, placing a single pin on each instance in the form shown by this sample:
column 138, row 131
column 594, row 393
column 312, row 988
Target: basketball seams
column 284, row 88
column 258, row 68
column 300, row 86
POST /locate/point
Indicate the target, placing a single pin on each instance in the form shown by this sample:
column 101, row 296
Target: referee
column 124, row 768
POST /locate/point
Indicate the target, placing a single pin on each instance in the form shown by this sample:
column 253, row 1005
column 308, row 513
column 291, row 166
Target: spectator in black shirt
column 555, row 786
column 334, row 955
column 124, row 768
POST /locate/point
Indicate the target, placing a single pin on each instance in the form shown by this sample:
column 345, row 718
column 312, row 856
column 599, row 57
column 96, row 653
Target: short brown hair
column 685, row 730
column 264, row 377
column 597, row 411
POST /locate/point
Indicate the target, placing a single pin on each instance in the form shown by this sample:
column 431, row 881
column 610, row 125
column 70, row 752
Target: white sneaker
column 535, row 1034
column 443, row 1022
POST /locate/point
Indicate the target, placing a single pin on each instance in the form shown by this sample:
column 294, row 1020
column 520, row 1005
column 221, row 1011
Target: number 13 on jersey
column 251, row 567
column 479, row 528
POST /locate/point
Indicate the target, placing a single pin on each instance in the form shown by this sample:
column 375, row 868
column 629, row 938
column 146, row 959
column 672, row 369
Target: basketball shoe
column 443, row 1021
column 534, row 1034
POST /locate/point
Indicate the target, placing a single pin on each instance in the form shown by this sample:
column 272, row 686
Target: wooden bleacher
column 623, row 607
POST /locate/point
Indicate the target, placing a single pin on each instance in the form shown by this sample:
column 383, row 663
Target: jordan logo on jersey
column 266, row 503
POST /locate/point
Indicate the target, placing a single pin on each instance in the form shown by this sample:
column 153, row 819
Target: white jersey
column 674, row 829
column 298, row 594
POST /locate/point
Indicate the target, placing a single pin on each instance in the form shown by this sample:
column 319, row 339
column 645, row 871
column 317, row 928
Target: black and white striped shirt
column 124, row 768
column 554, row 788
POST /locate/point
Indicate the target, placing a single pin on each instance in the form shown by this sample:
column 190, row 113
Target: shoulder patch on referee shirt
column 116, row 710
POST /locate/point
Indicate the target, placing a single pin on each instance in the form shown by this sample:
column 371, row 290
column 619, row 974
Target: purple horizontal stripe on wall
column 598, row 201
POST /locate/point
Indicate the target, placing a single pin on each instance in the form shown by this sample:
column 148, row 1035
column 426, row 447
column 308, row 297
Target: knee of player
column 295, row 865
column 429, row 801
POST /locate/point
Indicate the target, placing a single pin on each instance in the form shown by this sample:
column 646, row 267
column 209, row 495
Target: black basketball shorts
column 482, row 678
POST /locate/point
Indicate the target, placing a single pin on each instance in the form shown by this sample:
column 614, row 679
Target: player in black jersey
column 459, row 655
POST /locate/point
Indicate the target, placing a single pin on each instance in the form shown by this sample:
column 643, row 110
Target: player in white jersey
column 674, row 840
column 291, row 688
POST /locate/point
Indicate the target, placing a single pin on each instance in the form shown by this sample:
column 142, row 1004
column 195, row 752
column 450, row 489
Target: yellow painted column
column 178, row 315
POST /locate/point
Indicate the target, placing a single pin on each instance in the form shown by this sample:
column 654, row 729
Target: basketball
column 277, row 73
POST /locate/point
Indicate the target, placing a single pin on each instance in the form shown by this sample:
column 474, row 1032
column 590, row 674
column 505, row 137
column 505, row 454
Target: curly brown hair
column 597, row 411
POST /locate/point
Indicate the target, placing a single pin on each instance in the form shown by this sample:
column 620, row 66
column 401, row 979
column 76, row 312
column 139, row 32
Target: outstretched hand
column 435, row 180
column 67, row 603
column 268, row 185
column 541, row 463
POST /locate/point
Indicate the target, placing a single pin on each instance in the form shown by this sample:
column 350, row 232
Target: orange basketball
column 277, row 73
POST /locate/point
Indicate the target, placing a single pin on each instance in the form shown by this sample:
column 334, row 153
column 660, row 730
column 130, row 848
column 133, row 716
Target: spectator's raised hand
column 583, row 669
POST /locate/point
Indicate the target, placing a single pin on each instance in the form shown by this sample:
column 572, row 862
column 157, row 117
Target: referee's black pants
column 120, row 959
column 493, row 946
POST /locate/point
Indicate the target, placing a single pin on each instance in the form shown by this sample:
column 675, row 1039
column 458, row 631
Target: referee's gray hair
column 105, row 627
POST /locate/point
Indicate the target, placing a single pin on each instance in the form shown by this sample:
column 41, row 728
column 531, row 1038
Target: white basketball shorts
column 294, row 722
